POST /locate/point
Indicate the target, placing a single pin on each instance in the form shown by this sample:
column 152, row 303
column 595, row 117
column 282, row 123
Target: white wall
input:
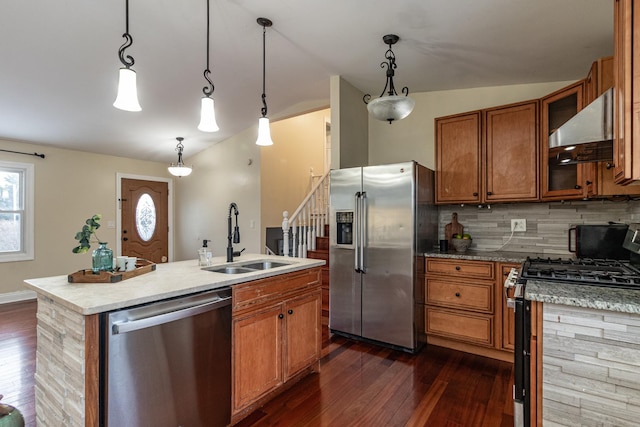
column 227, row 172
column 413, row 138
column 349, row 118
column 285, row 178
column 70, row 186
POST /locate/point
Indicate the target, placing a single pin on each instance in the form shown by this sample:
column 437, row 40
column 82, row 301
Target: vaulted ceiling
column 59, row 69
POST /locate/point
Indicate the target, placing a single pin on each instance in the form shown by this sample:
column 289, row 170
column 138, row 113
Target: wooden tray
column 87, row 276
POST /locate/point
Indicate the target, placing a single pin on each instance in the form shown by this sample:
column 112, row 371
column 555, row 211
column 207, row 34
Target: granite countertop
column 587, row 296
column 167, row 281
column 496, row 256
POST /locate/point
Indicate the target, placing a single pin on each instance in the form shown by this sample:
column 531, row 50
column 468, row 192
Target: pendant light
column 179, row 169
column 207, row 112
column 127, row 98
column 264, row 133
column 390, row 107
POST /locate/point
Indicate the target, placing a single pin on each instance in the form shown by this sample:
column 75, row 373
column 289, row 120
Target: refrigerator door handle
column 356, row 232
column 363, row 229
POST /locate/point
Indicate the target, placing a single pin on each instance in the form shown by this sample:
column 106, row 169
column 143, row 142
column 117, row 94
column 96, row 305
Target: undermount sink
column 264, row 265
column 229, row 270
column 248, row 267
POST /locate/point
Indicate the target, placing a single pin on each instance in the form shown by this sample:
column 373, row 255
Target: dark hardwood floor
column 359, row 384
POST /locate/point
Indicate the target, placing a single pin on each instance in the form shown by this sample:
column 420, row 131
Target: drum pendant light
column 264, row 133
column 127, row 98
column 179, row 169
column 390, row 107
column 207, row 111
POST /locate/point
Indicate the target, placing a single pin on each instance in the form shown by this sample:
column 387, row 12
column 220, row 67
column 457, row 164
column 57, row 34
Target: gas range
column 608, row 273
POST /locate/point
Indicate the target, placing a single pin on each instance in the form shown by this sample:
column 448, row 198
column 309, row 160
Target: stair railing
column 308, row 220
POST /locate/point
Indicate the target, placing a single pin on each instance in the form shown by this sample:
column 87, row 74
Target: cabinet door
column 626, row 74
column 458, row 159
column 303, row 341
column 559, row 181
column 257, row 355
column 508, row 315
column 511, row 140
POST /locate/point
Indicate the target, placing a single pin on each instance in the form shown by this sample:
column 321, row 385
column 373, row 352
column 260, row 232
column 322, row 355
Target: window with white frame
column 16, row 211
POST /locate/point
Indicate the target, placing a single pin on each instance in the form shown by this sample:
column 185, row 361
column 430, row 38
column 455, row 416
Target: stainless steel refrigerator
column 383, row 219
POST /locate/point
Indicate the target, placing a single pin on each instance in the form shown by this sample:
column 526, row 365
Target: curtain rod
column 20, row 152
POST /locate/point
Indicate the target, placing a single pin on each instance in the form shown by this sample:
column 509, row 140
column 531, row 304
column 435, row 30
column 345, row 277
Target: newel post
column 285, row 233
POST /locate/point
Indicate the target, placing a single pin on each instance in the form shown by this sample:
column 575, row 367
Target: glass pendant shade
column 207, row 115
column 127, row 98
column 264, row 133
column 179, row 170
column 390, row 108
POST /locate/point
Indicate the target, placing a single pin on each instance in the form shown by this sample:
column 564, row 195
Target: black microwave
column 599, row 241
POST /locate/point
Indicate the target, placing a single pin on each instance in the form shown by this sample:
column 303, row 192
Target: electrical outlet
column 518, row 225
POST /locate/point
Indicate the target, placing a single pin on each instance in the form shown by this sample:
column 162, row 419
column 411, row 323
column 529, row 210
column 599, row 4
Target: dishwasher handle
column 147, row 322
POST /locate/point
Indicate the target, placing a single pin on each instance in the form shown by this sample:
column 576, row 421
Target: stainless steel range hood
column 587, row 136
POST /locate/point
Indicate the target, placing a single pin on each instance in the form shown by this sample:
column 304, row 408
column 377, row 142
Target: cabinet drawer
column 461, row 268
column 258, row 291
column 470, row 296
column 463, row 326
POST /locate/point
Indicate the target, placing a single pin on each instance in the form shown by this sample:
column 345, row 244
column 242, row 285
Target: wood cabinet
column 507, row 336
column 558, row 181
column 276, row 335
column 488, row 156
column 511, row 153
column 466, row 307
column 459, row 297
column 626, row 142
column 458, row 158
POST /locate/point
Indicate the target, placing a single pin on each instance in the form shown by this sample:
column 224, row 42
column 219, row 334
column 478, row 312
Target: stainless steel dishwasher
column 168, row 363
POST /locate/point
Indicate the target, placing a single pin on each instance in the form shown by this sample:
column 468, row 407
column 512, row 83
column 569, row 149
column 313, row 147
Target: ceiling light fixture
column 207, row 112
column 390, row 107
column 127, row 98
column 264, row 133
column 180, row 169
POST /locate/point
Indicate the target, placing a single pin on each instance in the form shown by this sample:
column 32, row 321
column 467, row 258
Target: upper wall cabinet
column 559, row 181
column 488, row 156
column 458, row 140
column 626, row 74
column 511, row 153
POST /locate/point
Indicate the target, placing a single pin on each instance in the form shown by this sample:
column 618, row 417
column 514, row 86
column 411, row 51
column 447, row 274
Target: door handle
column 356, row 231
column 363, row 228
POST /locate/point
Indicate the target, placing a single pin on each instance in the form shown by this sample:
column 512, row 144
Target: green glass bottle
column 102, row 258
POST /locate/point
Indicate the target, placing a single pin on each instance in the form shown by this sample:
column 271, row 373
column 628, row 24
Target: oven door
column 522, row 361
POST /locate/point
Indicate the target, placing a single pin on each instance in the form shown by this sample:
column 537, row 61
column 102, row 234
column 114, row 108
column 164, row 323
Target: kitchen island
column 585, row 354
column 68, row 333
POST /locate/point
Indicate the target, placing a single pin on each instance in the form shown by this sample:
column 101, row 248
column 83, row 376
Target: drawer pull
column 457, row 294
column 280, row 316
column 290, row 311
column 458, row 267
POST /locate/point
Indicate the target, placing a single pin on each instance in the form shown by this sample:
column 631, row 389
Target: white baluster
column 294, row 229
column 285, row 233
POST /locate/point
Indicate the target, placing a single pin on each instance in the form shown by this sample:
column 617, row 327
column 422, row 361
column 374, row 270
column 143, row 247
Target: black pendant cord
column 264, row 60
column 208, row 90
column 21, row 152
column 128, row 61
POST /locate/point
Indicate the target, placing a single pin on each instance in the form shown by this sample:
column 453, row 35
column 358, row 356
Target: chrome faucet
column 234, row 237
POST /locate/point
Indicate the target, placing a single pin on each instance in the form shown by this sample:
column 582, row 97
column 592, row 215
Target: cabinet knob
column 290, row 311
column 280, row 316
column 475, row 194
column 589, row 182
column 457, row 294
column 458, row 267
column 489, row 193
column 125, row 238
column 578, row 187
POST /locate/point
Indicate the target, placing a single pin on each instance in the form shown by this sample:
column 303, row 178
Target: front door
column 145, row 219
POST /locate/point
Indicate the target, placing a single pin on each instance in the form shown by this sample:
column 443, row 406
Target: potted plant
column 102, row 257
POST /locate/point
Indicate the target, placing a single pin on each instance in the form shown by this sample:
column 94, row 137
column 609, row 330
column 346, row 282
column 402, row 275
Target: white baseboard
column 10, row 297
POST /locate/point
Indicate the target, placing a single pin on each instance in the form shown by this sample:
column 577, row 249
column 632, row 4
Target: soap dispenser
column 204, row 254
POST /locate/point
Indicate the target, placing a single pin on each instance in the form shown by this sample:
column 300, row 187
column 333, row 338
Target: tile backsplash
column 547, row 223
